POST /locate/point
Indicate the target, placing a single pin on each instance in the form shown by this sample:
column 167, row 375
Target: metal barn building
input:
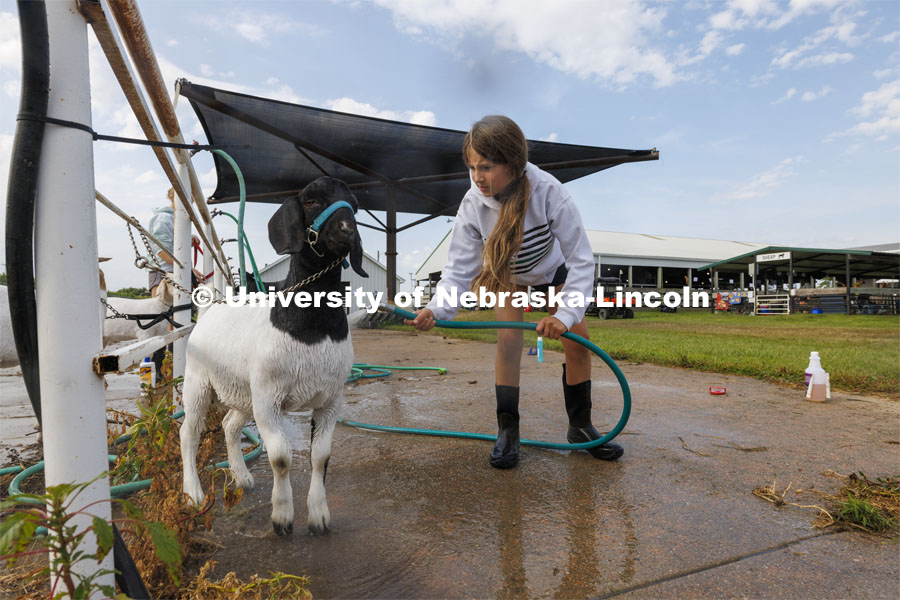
column 638, row 260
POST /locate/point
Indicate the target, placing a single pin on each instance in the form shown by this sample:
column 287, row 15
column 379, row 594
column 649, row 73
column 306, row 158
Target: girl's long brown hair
column 499, row 140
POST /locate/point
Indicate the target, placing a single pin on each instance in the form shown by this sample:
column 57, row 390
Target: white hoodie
column 552, row 234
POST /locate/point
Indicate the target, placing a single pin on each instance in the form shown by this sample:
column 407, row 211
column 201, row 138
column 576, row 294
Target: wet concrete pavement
column 426, row 517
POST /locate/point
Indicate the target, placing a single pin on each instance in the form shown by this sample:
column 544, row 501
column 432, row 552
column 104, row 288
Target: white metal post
column 219, row 282
column 208, row 263
column 182, row 249
column 68, row 285
column 221, row 279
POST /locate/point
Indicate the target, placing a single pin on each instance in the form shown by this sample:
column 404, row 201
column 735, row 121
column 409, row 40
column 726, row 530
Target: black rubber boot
column 505, row 454
column 578, row 407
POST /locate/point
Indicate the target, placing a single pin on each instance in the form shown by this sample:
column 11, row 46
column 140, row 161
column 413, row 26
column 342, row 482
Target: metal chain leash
column 312, row 278
column 116, row 314
column 141, row 262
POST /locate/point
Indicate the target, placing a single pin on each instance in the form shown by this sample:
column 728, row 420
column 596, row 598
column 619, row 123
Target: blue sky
column 776, row 122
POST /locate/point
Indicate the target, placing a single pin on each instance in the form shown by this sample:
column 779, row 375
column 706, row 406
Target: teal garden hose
column 120, row 491
column 240, row 220
column 623, row 383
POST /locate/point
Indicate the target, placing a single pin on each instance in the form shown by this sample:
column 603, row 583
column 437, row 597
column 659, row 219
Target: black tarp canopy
column 389, row 165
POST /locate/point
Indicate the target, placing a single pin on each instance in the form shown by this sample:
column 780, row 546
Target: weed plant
column 873, row 506
column 64, row 539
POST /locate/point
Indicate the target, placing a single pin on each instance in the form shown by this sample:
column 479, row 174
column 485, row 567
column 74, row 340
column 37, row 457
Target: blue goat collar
column 312, row 232
column 326, row 214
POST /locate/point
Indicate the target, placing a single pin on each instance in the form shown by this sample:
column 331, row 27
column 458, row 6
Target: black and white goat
column 262, row 361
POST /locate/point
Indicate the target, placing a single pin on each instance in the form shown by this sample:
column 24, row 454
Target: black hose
column 21, row 190
column 24, row 165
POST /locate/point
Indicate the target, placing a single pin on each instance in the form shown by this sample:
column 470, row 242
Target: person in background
column 162, row 227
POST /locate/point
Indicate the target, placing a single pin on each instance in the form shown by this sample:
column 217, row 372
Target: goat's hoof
column 245, row 482
column 283, row 529
column 195, row 497
column 319, row 528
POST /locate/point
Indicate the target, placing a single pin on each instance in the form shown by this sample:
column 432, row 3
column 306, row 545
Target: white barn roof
column 639, row 249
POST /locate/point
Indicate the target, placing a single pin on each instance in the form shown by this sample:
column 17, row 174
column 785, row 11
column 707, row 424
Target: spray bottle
column 815, row 364
column 147, row 371
column 819, row 384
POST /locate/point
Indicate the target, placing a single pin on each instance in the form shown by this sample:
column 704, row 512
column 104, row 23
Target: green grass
column 862, row 353
column 863, row 514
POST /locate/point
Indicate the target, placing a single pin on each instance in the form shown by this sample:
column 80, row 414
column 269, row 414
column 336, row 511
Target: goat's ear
column 356, row 255
column 286, row 227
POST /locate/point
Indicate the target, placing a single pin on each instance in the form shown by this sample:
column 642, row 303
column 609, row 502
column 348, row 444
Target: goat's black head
column 288, row 227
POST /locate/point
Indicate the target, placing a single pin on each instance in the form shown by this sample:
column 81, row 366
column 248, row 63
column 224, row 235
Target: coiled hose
column 623, row 383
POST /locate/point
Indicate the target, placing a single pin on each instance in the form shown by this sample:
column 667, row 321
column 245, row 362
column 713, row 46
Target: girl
column 518, row 227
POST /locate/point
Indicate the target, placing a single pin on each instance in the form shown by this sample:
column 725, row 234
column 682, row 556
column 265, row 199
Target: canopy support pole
column 182, row 275
column 847, row 280
column 390, row 254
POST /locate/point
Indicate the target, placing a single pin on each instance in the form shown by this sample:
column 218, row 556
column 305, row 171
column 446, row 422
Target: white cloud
column 6, row 144
column 760, row 80
column 552, row 137
column 563, row 35
column 880, row 111
column 149, row 177
column 207, row 70
column 852, row 149
column 767, row 14
column 208, row 179
column 883, row 73
column 172, row 43
column 710, row 41
column 740, row 13
column 410, row 261
column 10, row 46
column 841, row 32
column 761, row 184
column 891, row 37
column 797, row 8
column 274, row 87
column 809, row 96
column 11, row 88
column 255, row 26
column 884, row 99
column 787, row 96
column 812, row 96
column 819, row 60
column 349, row 105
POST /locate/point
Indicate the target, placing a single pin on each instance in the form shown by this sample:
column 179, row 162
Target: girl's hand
column 424, row 320
column 551, row 327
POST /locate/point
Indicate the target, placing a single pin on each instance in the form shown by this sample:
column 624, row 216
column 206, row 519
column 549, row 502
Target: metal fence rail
column 773, row 304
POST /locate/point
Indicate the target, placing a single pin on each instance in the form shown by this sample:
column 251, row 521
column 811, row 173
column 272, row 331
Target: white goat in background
column 9, row 357
column 262, row 362
column 117, row 330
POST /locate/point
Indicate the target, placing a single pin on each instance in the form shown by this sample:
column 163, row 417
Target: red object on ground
column 716, row 391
